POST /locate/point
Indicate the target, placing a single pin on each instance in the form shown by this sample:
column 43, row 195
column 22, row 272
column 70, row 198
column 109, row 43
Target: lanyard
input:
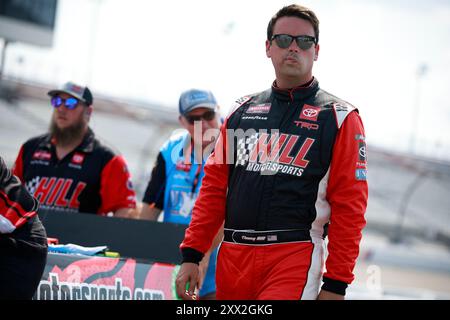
column 196, row 178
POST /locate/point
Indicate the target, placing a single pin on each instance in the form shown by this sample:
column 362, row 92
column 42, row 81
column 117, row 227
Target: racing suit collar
column 297, row 93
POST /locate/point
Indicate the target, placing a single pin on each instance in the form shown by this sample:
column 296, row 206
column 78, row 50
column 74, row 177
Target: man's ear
column 88, row 112
column 268, row 48
column 182, row 121
column 316, row 52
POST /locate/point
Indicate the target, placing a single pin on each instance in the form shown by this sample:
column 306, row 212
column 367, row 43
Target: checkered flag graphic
column 33, row 184
column 244, row 147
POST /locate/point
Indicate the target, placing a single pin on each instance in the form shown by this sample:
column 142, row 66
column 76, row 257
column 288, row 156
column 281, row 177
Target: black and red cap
column 81, row 93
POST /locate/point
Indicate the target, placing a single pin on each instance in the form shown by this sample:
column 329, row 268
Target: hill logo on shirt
column 54, row 192
column 274, row 153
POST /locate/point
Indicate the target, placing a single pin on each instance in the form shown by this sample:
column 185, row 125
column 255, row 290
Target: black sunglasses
column 303, row 42
column 208, row 116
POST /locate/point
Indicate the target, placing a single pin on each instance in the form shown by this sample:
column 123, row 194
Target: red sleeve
column 209, row 210
column 16, row 204
column 18, row 165
column 347, row 194
column 116, row 189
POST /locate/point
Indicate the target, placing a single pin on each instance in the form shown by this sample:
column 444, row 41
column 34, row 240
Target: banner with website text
column 71, row 277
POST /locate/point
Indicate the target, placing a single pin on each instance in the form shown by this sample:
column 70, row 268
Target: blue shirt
column 183, row 180
column 174, row 187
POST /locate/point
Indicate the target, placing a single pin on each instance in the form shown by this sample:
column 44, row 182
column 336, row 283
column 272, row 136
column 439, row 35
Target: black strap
column 266, row 237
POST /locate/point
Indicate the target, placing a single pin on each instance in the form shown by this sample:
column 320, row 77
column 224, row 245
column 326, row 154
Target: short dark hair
column 294, row 10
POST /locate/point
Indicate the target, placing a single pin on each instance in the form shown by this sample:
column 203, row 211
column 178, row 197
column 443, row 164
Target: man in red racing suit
column 288, row 169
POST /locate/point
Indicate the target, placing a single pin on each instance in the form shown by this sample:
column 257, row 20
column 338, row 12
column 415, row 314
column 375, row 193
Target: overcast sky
column 151, row 51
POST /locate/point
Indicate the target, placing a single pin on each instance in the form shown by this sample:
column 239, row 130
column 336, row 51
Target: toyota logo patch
column 309, row 112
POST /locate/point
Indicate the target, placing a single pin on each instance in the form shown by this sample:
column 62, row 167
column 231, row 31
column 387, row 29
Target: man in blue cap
column 178, row 172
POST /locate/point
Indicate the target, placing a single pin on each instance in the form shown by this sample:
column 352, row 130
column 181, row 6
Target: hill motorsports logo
column 273, row 153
